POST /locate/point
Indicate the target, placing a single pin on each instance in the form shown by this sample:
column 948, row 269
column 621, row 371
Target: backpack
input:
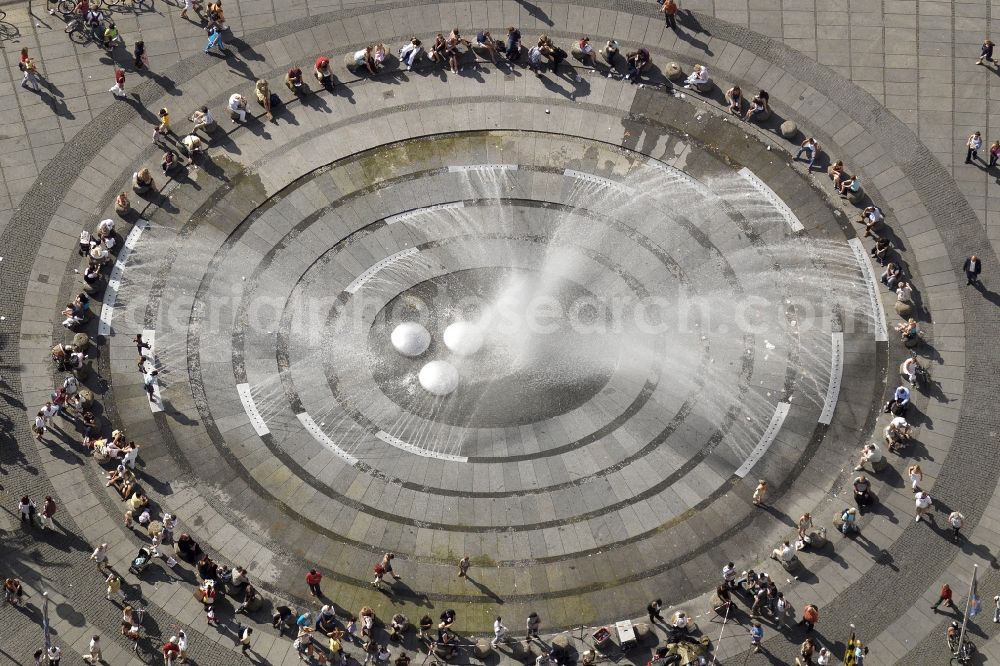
column 378, row 569
column 20, row 65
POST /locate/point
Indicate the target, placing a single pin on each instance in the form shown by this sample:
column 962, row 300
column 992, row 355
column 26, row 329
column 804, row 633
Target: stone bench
column 789, row 129
column 673, row 72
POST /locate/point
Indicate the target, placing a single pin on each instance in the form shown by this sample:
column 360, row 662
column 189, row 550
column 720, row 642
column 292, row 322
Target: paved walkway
column 253, row 516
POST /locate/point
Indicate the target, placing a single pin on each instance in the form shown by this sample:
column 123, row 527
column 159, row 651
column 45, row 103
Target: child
column 756, row 636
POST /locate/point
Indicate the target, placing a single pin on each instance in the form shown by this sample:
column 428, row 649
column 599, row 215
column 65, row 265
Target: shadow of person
column 689, row 21
column 482, row 587
column 535, row 12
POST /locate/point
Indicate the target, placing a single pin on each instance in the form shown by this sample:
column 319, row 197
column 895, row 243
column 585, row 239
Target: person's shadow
column 536, row 12
column 991, row 296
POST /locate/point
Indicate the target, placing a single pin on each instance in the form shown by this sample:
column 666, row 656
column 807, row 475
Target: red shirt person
column 313, row 579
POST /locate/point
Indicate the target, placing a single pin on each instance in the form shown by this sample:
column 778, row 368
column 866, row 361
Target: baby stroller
column 141, row 561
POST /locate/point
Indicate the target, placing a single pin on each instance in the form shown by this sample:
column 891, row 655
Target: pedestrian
column 54, row 655
column 804, row 524
column 27, row 509
column 100, row 555
column 30, row 70
column 210, row 616
column 139, row 343
column 944, row 598
column 824, row 657
column 784, row 610
column 810, row 616
column 170, row 651
column 95, row 656
column 313, row 579
column 533, row 623
column 387, row 565
column 974, row 143
column 994, row 153
column 806, row 651
column 916, row 476
column 463, row 567
column 996, row 608
column 972, row 267
column 118, row 90
column 956, row 520
column 669, row 9
column 149, row 379
column 756, row 636
column 499, row 632
column 182, row 645
column 214, row 39
column 759, row 492
column 114, row 588
column 49, row 411
column 653, row 609
column 188, row 7
column 243, row 637
column 986, row 53
column 811, row 147
column 39, row 428
column 164, row 126
column 729, row 575
column 923, row 504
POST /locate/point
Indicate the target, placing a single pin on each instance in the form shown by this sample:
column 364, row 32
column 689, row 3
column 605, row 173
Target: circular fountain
column 463, row 338
column 410, row 339
column 439, row 377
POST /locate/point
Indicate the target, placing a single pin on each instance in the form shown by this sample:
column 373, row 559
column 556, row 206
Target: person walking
column 30, row 70
column 214, row 39
column 974, row 143
column 759, row 492
column 100, row 555
column 39, row 427
column 956, row 520
column 164, row 127
column 170, row 651
column 27, row 510
column 996, row 609
column 533, row 623
column 916, row 476
column 944, row 598
column 669, row 10
column 243, row 637
column 114, row 587
column 972, row 267
column 54, row 653
column 313, row 579
column 986, row 53
column 653, row 609
column 463, row 567
column 756, row 636
column 810, row 616
column 118, row 90
column 811, row 147
column 923, row 505
column 95, row 656
column 499, row 632
column 182, row 645
column 387, row 565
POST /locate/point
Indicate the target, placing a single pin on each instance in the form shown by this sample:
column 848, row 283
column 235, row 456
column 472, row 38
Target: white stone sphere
column 410, row 339
column 439, row 377
column 463, row 338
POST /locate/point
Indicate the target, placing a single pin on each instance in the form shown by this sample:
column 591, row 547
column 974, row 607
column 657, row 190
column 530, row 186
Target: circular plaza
column 561, row 325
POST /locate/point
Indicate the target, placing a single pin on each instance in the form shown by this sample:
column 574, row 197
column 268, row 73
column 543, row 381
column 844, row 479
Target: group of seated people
column 77, row 311
column 68, row 357
column 760, row 104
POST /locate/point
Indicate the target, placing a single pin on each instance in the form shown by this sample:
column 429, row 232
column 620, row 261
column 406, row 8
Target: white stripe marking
column 482, row 167
column 320, row 436
column 780, row 412
column 372, row 270
column 115, row 279
column 836, row 377
column 878, row 312
column 775, row 200
column 149, row 336
column 416, row 212
column 416, row 450
column 256, row 420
